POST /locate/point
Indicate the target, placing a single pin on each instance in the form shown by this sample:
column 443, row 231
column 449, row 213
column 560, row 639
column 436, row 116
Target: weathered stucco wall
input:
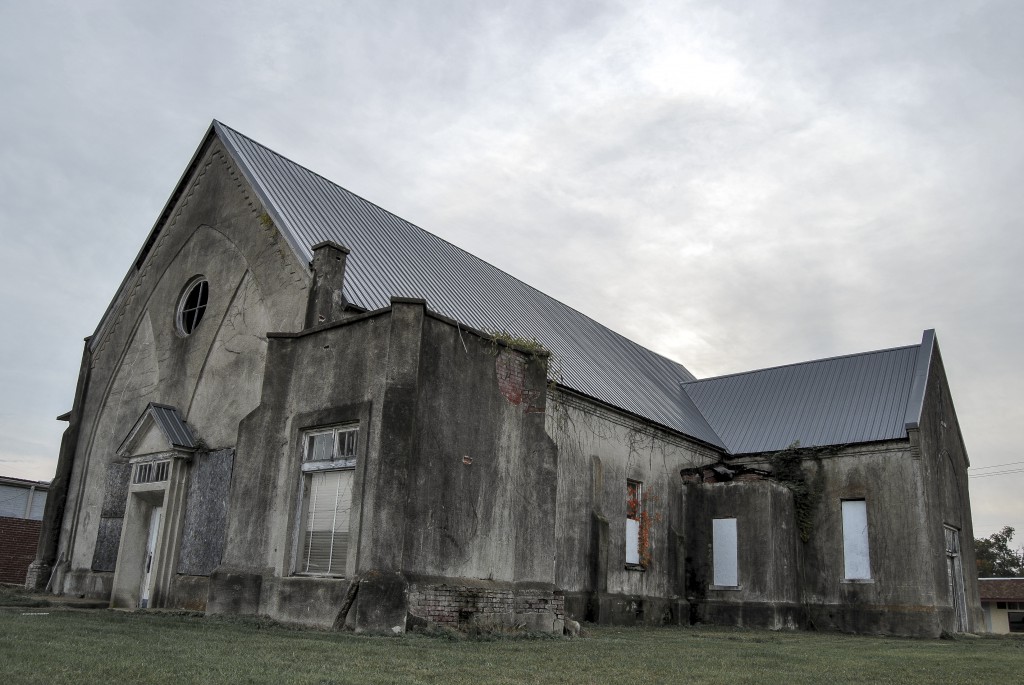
column 321, row 378
column 900, row 595
column 769, row 575
column 599, row 450
column 454, row 476
column 946, row 491
column 786, row 580
column 482, row 501
column 212, row 376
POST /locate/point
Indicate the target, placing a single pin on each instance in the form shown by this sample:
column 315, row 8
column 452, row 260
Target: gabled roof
column 841, row 400
column 173, row 428
column 392, row 257
column 1001, row 589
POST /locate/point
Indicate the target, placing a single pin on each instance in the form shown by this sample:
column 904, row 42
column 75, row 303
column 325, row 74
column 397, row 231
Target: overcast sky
column 733, row 184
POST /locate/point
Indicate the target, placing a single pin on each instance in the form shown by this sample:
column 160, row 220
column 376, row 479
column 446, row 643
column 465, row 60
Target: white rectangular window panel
column 725, row 551
column 632, row 541
column 855, row 540
column 325, row 538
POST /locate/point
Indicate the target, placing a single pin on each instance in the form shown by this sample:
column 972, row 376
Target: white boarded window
column 855, row 540
column 634, row 512
column 724, row 550
column 327, row 473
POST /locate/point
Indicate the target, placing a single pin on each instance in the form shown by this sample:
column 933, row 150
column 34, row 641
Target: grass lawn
column 52, row 645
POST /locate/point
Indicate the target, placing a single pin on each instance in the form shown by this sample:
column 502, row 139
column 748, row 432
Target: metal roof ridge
column 264, row 196
column 915, row 400
column 803, row 363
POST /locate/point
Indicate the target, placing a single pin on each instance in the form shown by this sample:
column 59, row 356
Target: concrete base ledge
column 770, row 615
column 88, row 584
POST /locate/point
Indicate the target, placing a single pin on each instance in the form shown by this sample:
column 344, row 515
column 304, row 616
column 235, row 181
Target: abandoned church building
column 301, row 406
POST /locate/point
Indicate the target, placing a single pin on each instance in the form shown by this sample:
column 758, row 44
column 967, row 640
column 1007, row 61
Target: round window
column 192, row 305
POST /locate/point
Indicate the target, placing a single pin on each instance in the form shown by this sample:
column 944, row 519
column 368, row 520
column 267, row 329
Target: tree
column 996, row 559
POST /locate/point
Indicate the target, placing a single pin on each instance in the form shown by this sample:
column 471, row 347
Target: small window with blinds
column 327, row 472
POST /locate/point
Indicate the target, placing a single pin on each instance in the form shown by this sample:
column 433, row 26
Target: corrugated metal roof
column 392, row 257
column 836, row 401
column 173, row 426
column 170, row 423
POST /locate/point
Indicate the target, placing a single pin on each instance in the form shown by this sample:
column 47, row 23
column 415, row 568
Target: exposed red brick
column 511, row 370
column 18, row 540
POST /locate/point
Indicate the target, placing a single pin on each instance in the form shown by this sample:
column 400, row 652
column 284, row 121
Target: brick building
column 21, row 518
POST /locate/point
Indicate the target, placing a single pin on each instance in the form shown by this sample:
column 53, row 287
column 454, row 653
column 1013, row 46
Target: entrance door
column 147, row 571
column 955, row 569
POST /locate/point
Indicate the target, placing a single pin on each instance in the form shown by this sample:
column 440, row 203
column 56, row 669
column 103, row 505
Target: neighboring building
column 1002, row 601
column 21, row 519
column 301, row 406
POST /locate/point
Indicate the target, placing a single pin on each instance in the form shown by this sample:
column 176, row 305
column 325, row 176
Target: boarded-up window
column 855, row 540
column 634, row 512
column 725, row 552
column 115, row 496
column 203, row 532
column 327, row 474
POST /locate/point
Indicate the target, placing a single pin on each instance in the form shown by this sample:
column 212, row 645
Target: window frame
column 633, row 524
column 725, row 547
column 307, row 469
column 198, row 312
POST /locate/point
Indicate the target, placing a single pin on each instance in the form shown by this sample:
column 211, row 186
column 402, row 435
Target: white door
column 147, row 571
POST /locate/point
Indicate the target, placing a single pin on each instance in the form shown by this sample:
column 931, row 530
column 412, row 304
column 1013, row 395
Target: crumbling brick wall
column 459, row 606
column 18, row 540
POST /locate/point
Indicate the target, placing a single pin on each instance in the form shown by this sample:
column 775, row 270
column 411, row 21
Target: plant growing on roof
column 528, row 345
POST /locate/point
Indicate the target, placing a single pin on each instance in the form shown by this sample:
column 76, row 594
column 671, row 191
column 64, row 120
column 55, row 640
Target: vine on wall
column 787, row 469
column 639, row 508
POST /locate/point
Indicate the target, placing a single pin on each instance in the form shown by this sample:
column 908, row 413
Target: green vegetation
column 42, row 645
column 995, row 557
column 788, row 469
column 528, row 345
column 15, row 596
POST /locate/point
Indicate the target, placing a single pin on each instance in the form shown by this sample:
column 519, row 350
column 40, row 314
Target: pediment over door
column 160, row 429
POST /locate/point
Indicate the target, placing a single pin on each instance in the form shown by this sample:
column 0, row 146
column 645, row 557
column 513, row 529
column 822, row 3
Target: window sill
column 635, row 567
column 725, row 587
column 858, row 581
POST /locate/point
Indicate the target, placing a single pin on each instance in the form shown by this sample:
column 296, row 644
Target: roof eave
column 153, row 232
column 276, row 216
